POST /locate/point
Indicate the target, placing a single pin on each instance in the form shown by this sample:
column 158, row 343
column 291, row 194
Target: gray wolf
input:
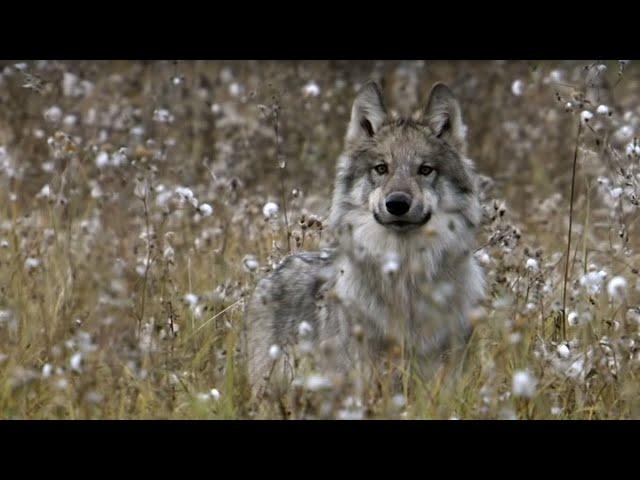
column 405, row 210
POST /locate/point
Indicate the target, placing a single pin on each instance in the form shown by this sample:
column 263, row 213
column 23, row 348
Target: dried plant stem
column 566, row 268
column 283, row 194
column 147, row 264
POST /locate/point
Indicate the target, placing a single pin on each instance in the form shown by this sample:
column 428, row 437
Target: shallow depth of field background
column 133, row 227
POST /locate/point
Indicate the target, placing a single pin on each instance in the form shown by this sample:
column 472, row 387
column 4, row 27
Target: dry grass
column 120, row 297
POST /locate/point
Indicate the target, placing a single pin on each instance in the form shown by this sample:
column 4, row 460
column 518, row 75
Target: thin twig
column 283, row 194
column 147, row 263
column 206, row 322
column 566, row 269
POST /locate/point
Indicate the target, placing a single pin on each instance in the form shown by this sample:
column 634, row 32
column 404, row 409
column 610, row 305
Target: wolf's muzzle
column 398, row 203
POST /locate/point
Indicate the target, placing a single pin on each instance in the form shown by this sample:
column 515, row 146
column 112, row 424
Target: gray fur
column 408, row 283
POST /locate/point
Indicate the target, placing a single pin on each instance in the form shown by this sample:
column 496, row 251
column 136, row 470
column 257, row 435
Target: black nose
column 398, row 203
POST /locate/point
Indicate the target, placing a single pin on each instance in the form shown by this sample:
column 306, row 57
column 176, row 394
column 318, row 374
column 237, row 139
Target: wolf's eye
column 425, row 170
column 381, row 169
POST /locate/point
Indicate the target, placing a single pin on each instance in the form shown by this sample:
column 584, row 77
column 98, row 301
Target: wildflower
column 556, row 410
column 524, row 384
column 191, row 299
column 186, row 195
column 633, row 148
column 205, row 209
column 556, row 75
column 624, row 133
column 76, row 362
column 141, row 189
column 94, row 397
column 517, row 87
column 563, row 350
column 317, row 382
column 532, row 265
column 311, row 89
column 203, row 396
column 119, row 158
column 304, row 329
column 592, row 281
column 47, row 370
column 576, row 369
column 399, row 401
column 61, row 384
column 162, row 115
column 45, row 192
column 250, row 263
column 515, row 338
column 616, row 288
column 350, row 414
column 168, row 253
column 270, row 209
column 235, row 89
column 53, row 114
column 483, row 257
column 586, row 115
column 69, row 84
column 32, row 263
column 102, row 159
column 275, row 352
column 572, row 319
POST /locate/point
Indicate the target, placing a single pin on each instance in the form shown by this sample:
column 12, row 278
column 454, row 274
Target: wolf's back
column 280, row 303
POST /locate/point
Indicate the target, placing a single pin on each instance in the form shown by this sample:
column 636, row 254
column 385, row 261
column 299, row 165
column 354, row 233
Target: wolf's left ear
column 367, row 114
column 444, row 118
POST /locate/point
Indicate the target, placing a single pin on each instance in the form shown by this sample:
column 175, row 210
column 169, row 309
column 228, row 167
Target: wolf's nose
column 398, row 203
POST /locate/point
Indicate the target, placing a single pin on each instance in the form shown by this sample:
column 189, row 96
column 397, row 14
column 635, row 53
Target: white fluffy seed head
column 586, row 115
column 205, row 209
column 76, row 362
column 250, row 263
column 275, row 352
column 617, row 288
column 304, row 329
column 517, row 87
column 573, row 319
column 524, row 384
column 317, row 382
column 270, row 209
column 563, row 350
column 311, row 89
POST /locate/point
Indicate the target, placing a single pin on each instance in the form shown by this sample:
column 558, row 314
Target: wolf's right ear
column 442, row 115
column 368, row 113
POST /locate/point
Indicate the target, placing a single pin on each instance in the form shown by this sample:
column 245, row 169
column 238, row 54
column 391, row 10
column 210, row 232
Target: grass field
column 133, row 228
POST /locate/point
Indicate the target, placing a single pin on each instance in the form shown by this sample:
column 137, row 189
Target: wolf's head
column 401, row 181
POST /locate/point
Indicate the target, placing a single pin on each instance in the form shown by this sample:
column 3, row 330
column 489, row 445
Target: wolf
column 404, row 213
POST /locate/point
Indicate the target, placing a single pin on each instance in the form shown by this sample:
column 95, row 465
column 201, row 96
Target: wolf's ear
column 368, row 113
column 442, row 115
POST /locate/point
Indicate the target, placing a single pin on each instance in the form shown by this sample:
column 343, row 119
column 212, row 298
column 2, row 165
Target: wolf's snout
column 398, row 203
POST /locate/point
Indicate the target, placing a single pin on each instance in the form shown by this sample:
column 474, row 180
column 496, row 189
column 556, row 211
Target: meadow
column 140, row 202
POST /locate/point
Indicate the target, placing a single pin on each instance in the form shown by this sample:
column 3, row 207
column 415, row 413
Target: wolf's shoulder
column 300, row 273
column 320, row 258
